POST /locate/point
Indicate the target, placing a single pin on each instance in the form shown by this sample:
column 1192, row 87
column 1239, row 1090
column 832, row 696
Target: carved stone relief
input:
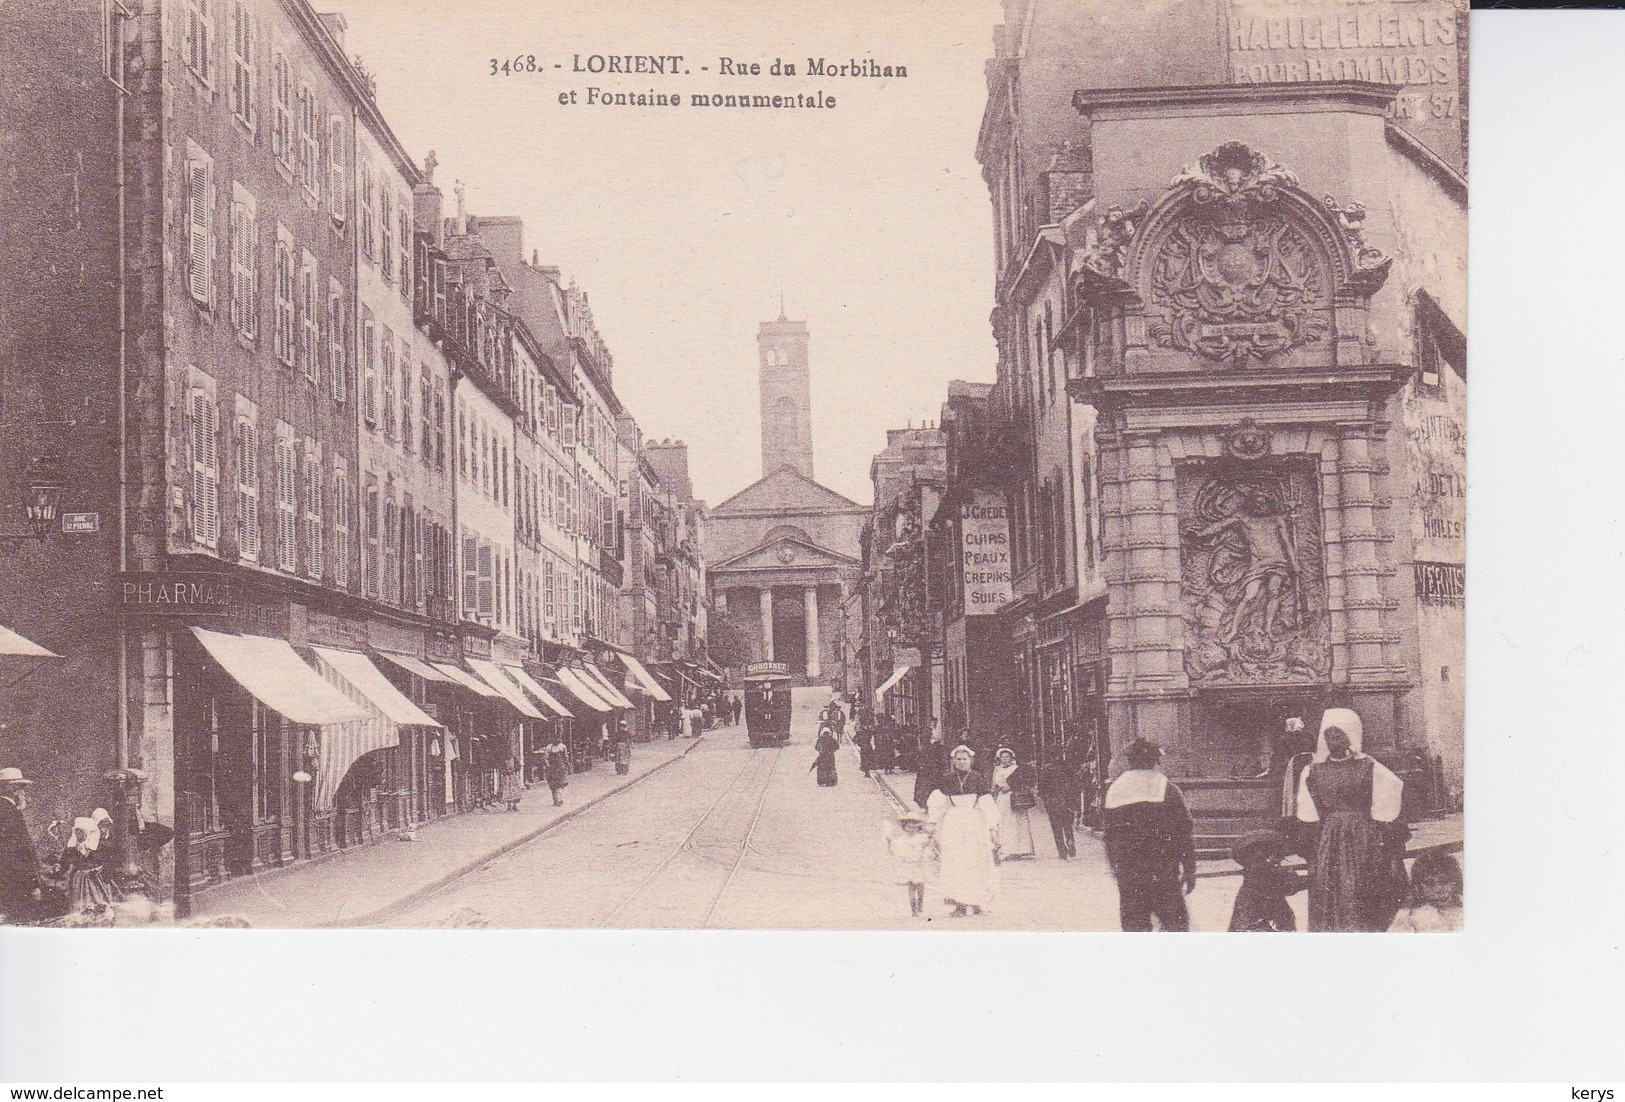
column 1253, row 567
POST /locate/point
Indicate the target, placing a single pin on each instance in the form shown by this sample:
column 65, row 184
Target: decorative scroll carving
column 1107, row 252
column 1371, row 264
column 1247, row 440
column 1253, row 569
column 1238, row 278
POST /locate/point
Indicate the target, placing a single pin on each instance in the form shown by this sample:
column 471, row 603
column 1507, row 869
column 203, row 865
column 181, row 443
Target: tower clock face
column 787, row 553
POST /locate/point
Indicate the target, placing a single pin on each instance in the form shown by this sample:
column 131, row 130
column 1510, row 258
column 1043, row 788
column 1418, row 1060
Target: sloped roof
column 786, row 490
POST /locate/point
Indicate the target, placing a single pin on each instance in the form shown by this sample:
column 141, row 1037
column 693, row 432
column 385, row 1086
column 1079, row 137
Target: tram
column 767, row 703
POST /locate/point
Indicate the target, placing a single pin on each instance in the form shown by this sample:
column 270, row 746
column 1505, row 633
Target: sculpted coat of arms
column 1236, row 278
column 1253, row 586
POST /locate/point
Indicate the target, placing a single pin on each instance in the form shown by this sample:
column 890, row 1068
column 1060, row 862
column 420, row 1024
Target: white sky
column 683, row 224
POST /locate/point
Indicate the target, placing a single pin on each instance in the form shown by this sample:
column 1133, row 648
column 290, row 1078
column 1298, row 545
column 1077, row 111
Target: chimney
column 335, row 24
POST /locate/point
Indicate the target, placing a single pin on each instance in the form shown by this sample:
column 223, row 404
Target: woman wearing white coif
column 1010, row 786
column 963, row 818
column 1353, row 883
column 81, row 866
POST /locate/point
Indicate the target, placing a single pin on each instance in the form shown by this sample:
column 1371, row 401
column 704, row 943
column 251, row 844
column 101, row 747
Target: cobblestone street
column 730, row 837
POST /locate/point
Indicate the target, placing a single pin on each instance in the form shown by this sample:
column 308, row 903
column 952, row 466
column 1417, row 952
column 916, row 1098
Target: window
column 310, row 321
column 313, row 510
column 246, row 459
column 200, row 41
column 200, row 226
column 364, row 197
column 242, row 66
column 426, row 413
column 338, row 378
column 471, row 577
column 245, row 273
column 411, row 557
column 205, row 467
column 282, row 109
column 405, row 215
column 440, row 424
column 406, row 396
column 336, row 205
column 286, row 334
column 386, row 236
column 392, row 549
column 369, row 368
column 310, row 127
column 487, row 593
column 341, row 524
column 370, row 525
column 386, row 350
column 287, row 505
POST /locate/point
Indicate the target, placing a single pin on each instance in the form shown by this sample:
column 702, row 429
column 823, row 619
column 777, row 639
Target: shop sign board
column 1417, row 45
column 984, row 530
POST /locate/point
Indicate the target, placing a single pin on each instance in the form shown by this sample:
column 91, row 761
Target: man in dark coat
column 19, row 864
column 929, row 769
column 1059, row 789
column 1150, row 843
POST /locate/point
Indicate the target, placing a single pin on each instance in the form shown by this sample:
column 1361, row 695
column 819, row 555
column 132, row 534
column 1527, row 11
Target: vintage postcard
column 861, row 466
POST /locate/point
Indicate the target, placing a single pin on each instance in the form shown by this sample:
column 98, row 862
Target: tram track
column 718, row 842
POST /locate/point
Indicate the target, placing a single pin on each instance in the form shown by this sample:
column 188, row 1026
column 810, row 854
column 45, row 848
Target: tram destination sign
column 175, row 593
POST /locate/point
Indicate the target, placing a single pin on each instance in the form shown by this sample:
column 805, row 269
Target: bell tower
column 786, row 396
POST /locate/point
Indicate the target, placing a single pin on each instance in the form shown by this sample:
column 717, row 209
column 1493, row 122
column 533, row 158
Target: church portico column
column 767, row 622
column 810, row 603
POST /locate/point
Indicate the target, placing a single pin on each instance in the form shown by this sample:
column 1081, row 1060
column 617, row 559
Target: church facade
column 784, row 553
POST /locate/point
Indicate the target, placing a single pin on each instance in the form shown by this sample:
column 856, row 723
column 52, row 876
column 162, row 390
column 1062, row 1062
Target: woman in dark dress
column 1353, row 797
column 825, row 761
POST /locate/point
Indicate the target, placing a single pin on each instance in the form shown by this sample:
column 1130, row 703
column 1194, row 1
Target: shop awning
column 416, row 666
column 278, row 678
column 642, row 677
column 16, row 646
column 370, row 682
column 604, row 687
column 513, row 694
column 896, row 675
column 467, row 680
column 534, row 688
column 579, row 688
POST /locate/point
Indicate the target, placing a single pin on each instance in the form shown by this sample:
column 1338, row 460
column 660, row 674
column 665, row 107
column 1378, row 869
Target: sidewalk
column 370, row 884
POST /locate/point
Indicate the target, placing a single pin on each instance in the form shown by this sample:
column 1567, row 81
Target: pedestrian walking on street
column 513, row 783
column 1357, row 875
column 825, row 761
column 1059, row 789
column 1150, row 843
column 929, row 770
column 82, row 867
column 19, row 864
column 1012, row 792
column 964, row 821
column 865, row 738
column 557, row 771
column 1261, row 903
column 912, row 849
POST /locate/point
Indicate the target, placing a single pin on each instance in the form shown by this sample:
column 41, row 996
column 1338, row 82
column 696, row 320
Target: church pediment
column 785, row 553
column 786, row 490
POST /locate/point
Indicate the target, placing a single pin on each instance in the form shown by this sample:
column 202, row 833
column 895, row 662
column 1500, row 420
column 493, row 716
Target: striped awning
column 15, row 645
column 604, row 686
column 581, row 690
column 274, row 674
column 359, row 671
column 535, row 689
column 644, row 679
column 493, row 676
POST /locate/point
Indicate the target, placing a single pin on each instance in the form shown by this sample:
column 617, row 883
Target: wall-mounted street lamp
column 42, row 502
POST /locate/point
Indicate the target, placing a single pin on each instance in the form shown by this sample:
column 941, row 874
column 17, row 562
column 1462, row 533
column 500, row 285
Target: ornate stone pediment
column 1237, row 265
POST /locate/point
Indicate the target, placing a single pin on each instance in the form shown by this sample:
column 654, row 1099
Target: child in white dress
column 913, row 850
